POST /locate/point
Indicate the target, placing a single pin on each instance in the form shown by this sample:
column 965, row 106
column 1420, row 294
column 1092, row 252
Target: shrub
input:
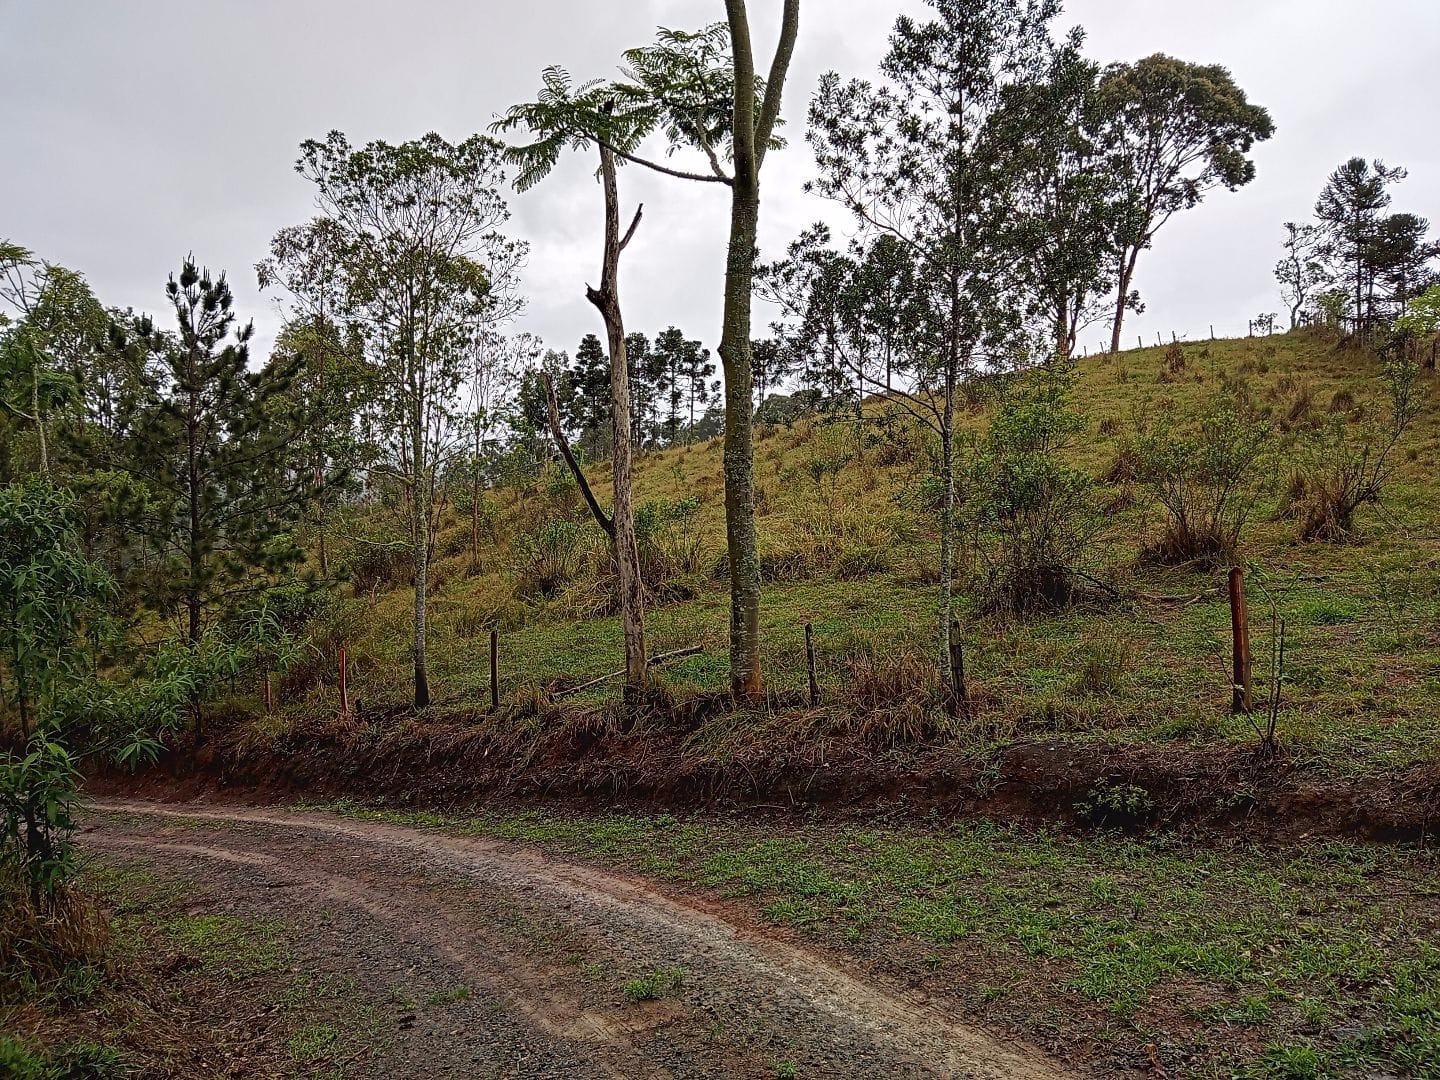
column 655, row 984
column 1102, row 664
column 1346, row 464
column 1116, row 804
column 1033, row 519
column 1174, row 358
column 669, row 543
column 1205, row 480
column 373, row 556
column 896, row 695
column 549, row 558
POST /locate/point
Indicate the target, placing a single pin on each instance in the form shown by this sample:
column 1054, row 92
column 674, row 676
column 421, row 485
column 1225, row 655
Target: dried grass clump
column 40, row 943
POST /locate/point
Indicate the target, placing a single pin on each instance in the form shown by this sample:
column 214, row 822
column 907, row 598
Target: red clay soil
column 1226, row 789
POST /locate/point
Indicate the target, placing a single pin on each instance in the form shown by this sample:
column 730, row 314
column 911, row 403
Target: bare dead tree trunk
column 627, row 555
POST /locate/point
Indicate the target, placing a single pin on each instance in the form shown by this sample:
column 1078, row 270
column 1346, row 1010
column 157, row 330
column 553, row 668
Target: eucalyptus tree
column 1066, row 202
column 423, row 264
column 307, row 262
column 912, row 158
column 496, row 368
column 1176, row 130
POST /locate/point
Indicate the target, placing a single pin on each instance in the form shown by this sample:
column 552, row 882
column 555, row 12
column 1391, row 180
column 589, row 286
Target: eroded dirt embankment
column 541, row 945
column 1218, row 789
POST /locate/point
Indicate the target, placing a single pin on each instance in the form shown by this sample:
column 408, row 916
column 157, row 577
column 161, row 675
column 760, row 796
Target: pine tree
column 212, row 443
column 588, row 392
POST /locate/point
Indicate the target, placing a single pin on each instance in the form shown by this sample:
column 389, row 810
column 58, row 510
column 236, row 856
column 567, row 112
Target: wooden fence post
column 344, row 686
column 959, row 693
column 494, row 667
column 810, row 664
column 1241, row 696
column 269, row 694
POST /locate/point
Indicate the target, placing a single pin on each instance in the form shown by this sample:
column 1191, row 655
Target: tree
column 496, row 369
column 588, row 394
column 752, row 126
column 307, row 262
column 644, row 371
column 424, row 265
column 613, row 121
column 770, row 363
column 1400, row 256
column 207, row 439
column 1301, row 272
column 1350, row 211
column 913, row 158
column 1178, row 130
column 55, row 325
column 1066, row 202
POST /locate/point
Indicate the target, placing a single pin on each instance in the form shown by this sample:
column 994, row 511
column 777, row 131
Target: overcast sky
column 134, row 132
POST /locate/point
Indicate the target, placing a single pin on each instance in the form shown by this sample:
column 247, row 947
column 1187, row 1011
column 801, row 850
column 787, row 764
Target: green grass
column 313, row 1043
column 654, row 985
column 1326, row 949
column 1362, row 688
column 233, row 946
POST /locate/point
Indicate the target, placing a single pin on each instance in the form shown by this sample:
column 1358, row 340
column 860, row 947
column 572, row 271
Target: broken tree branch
column 552, row 407
column 658, row 658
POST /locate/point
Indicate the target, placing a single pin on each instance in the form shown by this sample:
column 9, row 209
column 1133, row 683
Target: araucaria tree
column 1177, row 130
column 1379, row 259
column 424, row 265
column 207, row 438
column 914, row 157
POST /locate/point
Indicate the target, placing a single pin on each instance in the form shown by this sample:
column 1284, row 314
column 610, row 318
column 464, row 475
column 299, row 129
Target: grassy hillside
column 845, row 550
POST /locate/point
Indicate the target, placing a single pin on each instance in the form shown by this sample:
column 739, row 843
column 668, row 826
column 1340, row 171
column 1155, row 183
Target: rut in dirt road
column 531, row 932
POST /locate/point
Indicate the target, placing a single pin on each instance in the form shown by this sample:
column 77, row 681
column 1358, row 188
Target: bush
column 669, row 543
column 1033, row 518
column 1346, row 464
column 1205, row 480
column 373, row 556
column 548, row 559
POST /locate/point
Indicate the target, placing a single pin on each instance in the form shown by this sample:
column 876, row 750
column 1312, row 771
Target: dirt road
column 543, row 948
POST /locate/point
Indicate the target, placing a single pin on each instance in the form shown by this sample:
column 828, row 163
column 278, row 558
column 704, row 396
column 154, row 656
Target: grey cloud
column 135, row 132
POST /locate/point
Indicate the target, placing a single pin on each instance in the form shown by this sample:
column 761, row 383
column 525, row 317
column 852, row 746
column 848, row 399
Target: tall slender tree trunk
column 420, row 535
column 627, row 554
column 1127, row 275
column 751, row 134
column 35, row 411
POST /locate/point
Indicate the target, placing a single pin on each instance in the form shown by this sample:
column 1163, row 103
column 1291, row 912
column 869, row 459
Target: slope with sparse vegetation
column 1135, row 669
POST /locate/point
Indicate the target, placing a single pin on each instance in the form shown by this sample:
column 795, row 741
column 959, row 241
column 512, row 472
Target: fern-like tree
column 701, row 92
